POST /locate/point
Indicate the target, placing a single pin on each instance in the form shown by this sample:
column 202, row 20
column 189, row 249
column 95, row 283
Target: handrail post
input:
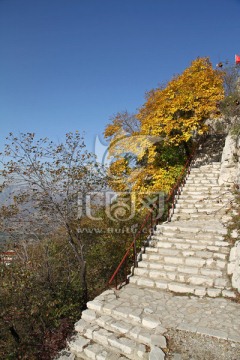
column 134, row 250
column 151, row 218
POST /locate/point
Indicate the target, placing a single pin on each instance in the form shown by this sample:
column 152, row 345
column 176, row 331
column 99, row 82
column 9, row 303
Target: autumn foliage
column 149, row 149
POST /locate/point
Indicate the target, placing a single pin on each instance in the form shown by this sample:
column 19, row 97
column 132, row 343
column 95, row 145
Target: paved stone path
column 217, row 317
column 144, row 315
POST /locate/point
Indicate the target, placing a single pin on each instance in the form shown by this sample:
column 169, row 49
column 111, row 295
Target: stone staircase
column 187, row 255
column 202, row 197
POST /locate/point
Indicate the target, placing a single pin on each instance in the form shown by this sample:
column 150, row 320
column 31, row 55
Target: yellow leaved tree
column 148, row 149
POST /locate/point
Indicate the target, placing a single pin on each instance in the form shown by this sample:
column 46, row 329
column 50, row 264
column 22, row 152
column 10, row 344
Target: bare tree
column 47, row 180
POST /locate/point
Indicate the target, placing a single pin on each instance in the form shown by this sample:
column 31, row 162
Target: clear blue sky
column 69, row 65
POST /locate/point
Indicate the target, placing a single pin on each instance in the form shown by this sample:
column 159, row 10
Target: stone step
column 199, row 205
column 200, row 210
column 120, row 328
column 206, row 202
column 204, row 175
column 192, row 227
column 86, row 349
column 119, row 310
column 186, row 253
column 193, row 261
column 198, row 182
column 189, row 233
column 187, row 237
column 210, row 167
column 211, row 171
column 205, row 181
column 215, row 197
column 156, row 246
column 182, row 269
column 214, row 246
column 213, row 164
column 202, row 181
column 123, row 328
column 182, row 288
column 206, row 277
column 203, row 215
column 209, row 197
column 204, row 168
column 119, row 343
column 215, row 201
column 130, row 320
column 198, row 239
column 204, row 193
column 210, row 177
column 201, row 187
column 196, row 216
column 178, row 235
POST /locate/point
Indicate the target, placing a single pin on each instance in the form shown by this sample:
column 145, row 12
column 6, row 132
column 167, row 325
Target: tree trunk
column 14, row 334
column 84, row 284
column 82, row 267
column 187, row 149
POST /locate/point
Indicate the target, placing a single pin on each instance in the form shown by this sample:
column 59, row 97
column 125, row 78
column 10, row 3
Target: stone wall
column 230, row 175
column 234, row 266
column 230, row 162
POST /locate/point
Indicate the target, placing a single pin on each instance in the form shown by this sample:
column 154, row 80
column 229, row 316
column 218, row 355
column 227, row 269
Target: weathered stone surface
column 229, row 293
column 78, row 343
column 123, row 344
column 173, row 260
column 161, row 284
column 102, row 336
column 213, row 292
column 89, row 315
column 156, row 354
column 176, row 356
column 200, row 291
column 187, row 327
column 181, row 288
column 200, row 280
column 65, row 355
column 229, row 172
column 212, row 332
column 221, row 283
column 234, row 266
column 158, row 340
column 80, row 325
column 93, row 350
column 94, row 305
column 145, row 282
column 121, row 327
column 188, row 270
column 192, row 261
column 150, row 322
